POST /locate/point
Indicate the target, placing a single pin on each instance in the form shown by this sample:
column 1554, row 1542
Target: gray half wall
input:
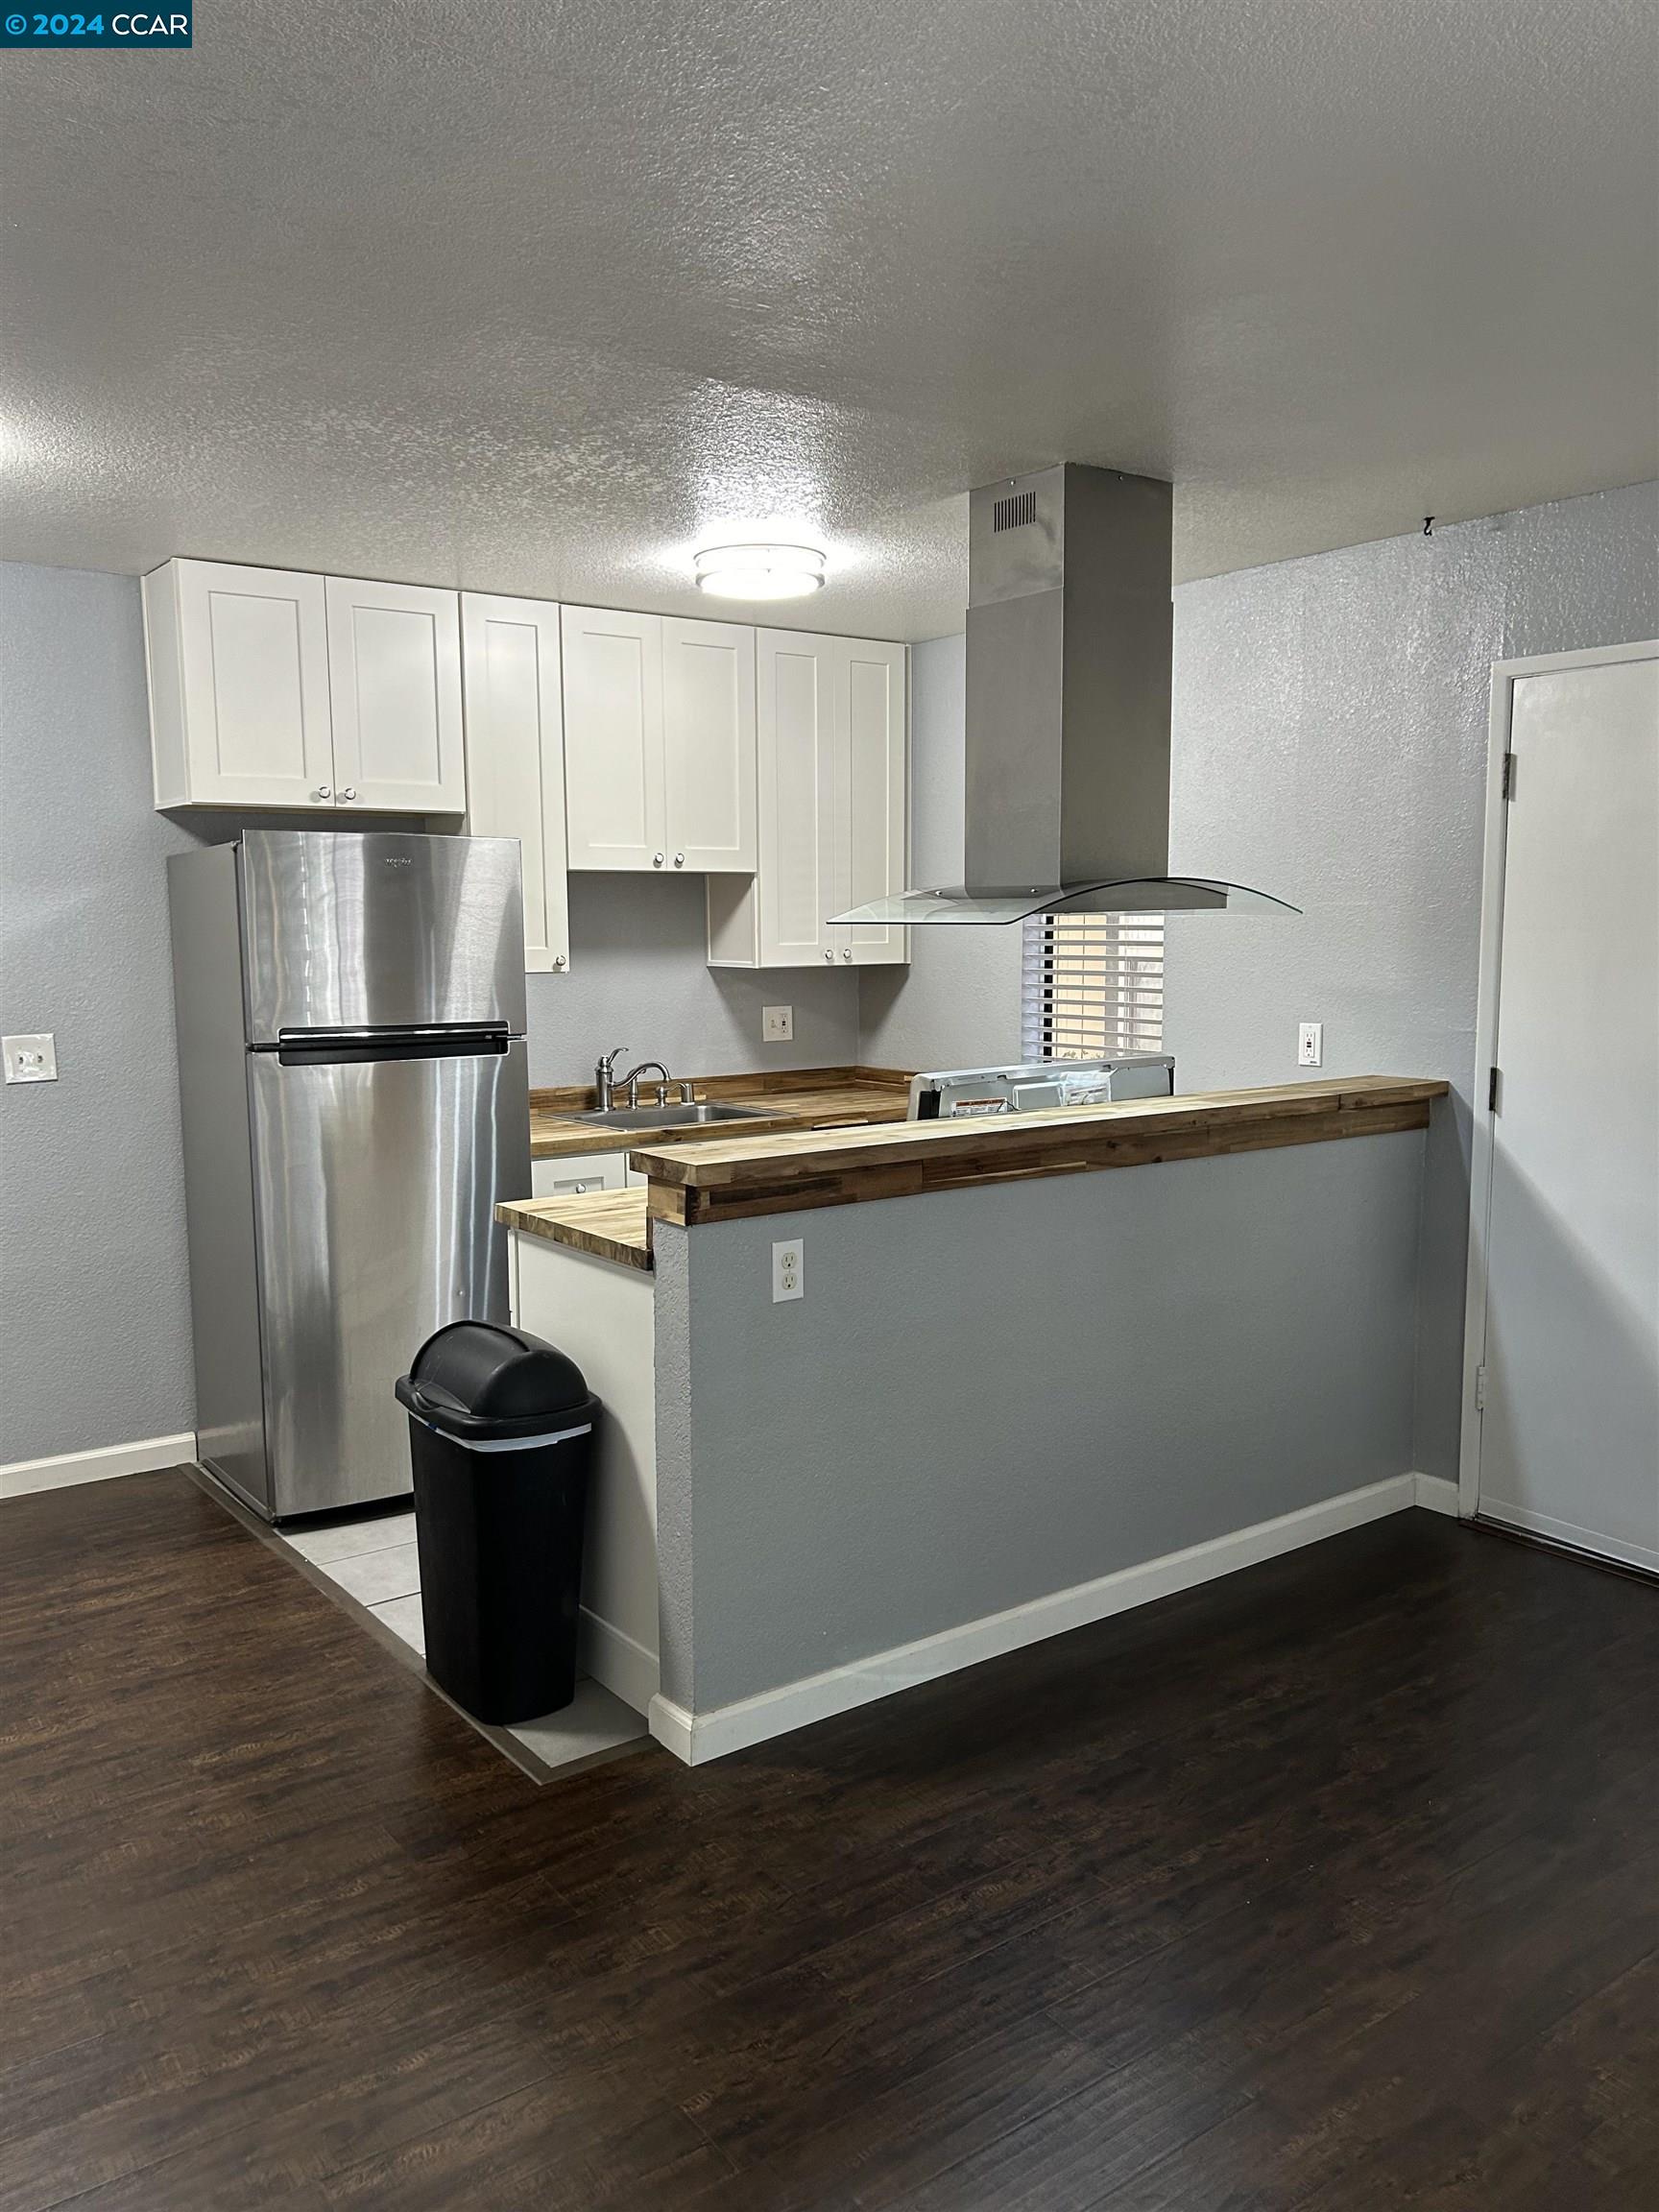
column 987, row 1396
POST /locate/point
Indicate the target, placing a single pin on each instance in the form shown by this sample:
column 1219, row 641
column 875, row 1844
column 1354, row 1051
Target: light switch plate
column 31, row 1059
column 788, row 1270
column 776, row 1025
column 1310, row 1044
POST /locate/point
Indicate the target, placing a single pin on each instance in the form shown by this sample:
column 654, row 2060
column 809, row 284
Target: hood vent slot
column 1014, row 512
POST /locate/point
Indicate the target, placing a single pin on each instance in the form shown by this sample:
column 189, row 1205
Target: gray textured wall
column 94, row 1298
column 989, row 1395
column 958, row 1005
column 1331, row 745
column 640, row 975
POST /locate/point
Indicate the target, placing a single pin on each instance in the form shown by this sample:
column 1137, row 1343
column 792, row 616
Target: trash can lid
column 478, row 1381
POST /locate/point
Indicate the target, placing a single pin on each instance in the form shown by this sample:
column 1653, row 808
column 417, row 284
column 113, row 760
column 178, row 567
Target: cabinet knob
column 324, row 791
column 349, row 792
column 829, row 955
column 846, row 951
column 656, row 859
column 679, row 859
column 558, row 959
column 578, row 1187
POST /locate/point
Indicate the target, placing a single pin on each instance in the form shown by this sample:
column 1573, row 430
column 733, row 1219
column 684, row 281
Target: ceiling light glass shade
column 760, row 571
column 1129, row 894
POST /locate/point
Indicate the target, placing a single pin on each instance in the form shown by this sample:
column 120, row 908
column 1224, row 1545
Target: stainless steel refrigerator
column 350, row 1019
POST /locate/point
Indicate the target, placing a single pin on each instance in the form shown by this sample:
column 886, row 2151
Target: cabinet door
column 708, row 745
column 613, row 740
column 516, row 756
column 795, row 859
column 238, row 685
column 871, row 855
column 394, row 686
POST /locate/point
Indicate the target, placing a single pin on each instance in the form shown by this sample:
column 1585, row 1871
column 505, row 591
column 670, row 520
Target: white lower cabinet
column 270, row 688
column 516, row 756
column 831, row 720
column 581, row 1171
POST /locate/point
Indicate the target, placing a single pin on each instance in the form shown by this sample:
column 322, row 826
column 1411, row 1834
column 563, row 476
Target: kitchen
column 1074, row 1467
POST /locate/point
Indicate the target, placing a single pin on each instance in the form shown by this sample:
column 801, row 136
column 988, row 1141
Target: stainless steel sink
column 671, row 1117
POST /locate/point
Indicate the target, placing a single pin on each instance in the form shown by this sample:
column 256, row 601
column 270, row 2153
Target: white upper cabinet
column 613, row 738
column 708, row 745
column 238, row 662
column 394, row 686
column 831, row 717
column 269, row 689
column 516, row 756
column 870, row 811
column 659, row 742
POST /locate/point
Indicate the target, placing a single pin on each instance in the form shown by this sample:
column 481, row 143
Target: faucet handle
column 609, row 1060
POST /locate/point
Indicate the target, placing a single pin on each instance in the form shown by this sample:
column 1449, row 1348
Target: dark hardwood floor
column 1331, row 1886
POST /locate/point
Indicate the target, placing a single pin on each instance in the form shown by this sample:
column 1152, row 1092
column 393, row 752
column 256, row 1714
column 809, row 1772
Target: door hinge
column 1508, row 775
column 1480, row 1389
column 1493, row 1089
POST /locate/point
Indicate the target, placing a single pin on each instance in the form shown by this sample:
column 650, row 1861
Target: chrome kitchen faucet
column 607, row 1083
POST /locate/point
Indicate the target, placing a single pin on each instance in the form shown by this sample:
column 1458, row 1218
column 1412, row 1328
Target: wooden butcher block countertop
column 787, row 1098
column 733, row 1178
column 610, row 1224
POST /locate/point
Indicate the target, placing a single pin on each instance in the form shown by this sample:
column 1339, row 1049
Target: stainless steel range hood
column 1069, row 629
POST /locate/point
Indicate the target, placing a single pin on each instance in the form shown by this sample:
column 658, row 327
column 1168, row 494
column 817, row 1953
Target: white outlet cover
column 31, row 1059
column 776, row 1025
column 788, row 1270
column 1310, row 1044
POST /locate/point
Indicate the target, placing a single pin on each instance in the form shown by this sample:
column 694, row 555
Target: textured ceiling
column 524, row 296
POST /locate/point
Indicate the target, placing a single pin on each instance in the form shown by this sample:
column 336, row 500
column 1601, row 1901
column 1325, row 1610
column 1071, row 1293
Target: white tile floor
column 376, row 1561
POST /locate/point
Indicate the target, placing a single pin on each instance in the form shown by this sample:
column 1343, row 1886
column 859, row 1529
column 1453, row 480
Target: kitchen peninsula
column 1099, row 1387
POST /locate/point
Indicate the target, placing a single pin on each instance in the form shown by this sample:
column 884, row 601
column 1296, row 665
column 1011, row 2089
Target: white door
column 251, row 684
column 613, row 738
column 1565, row 1267
column 516, row 756
column 395, row 685
column 796, row 713
column 870, row 810
column 708, row 745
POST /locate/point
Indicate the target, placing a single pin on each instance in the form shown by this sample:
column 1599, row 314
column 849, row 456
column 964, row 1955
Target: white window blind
column 1092, row 985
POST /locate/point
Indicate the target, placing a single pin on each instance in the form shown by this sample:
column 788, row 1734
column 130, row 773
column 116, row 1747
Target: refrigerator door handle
column 351, row 1047
column 392, row 1031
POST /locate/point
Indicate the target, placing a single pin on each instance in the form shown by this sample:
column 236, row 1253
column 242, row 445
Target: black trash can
column 501, row 1435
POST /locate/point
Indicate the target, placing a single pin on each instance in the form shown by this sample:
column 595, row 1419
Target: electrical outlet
column 776, row 1025
column 1310, row 1044
column 31, row 1059
column 788, row 1270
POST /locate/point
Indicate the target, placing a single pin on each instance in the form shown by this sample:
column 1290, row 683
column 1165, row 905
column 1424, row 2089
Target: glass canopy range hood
column 1069, row 636
column 1143, row 895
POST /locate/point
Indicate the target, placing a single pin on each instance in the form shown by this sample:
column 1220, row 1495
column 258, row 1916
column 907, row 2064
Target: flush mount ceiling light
column 758, row 571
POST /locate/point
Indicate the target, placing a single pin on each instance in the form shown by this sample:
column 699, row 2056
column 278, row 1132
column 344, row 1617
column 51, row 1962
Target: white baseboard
column 698, row 1737
column 1436, row 1495
column 1587, row 1539
column 625, row 1667
column 24, row 1475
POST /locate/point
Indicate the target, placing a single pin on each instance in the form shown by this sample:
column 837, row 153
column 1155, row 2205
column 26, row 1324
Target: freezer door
column 380, row 930
column 375, row 1184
